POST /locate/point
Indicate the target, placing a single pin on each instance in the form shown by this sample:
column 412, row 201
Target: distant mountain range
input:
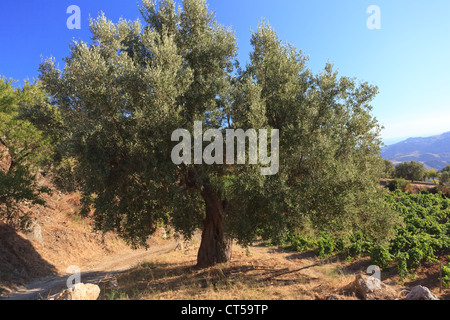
column 434, row 151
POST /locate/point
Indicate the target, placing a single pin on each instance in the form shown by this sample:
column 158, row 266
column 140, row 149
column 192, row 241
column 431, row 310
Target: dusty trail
column 91, row 273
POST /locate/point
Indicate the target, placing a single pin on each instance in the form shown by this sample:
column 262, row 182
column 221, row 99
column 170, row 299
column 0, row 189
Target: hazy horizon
column 389, row 142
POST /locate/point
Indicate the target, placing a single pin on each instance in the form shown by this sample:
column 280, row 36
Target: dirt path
column 91, row 273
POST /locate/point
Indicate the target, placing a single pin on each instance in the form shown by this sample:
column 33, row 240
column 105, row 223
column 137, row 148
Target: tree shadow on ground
column 19, row 261
column 159, row 278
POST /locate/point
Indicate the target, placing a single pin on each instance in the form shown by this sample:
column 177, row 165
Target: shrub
column 380, row 255
column 446, row 275
column 359, row 245
column 326, row 245
column 445, row 190
column 416, row 256
column 402, row 265
column 300, row 243
column 399, row 184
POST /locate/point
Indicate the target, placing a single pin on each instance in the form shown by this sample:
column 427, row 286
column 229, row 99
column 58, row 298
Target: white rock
column 365, row 288
column 80, row 291
column 33, row 231
column 421, row 293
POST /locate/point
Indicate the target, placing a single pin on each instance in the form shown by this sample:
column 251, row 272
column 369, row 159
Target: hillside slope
column 434, row 151
column 67, row 240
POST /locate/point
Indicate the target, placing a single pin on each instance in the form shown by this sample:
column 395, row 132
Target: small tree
column 446, row 168
column 431, row 173
column 413, row 171
column 24, row 149
column 444, row 175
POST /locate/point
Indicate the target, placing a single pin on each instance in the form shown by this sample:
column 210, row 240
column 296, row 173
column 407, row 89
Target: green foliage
column 326, row 245
column 431, row 174
column 34, row 107
column 65, row 175
column 446, row 275
column 380, row 255
column 399, row 184
column 444, row 175
column 25, row 148
column 402, row 264
column 413, row 171
column 16, row 186
column 300, row 243
column 443, row 189
column 422, row 237
column 426, row 232
column 358, row 245
column 25, row 143
column 122, row 97
column 388, row 170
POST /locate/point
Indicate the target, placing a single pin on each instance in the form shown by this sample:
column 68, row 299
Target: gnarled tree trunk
column 215, row 246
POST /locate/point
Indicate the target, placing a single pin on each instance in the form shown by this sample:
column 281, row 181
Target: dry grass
column 68, row 238
column 257, row 273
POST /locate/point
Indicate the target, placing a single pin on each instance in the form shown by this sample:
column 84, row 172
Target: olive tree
column 412, row 170
column 124, row 95
column 444, row 175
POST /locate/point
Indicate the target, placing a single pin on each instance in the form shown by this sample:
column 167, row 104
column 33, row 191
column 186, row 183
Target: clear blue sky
column 408, row 58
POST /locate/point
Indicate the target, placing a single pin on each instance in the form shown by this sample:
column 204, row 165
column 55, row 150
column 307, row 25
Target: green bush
column 300, row 243
column 399, row 184
column 326, row 246
column 402, row 264
column 358, row 245
column 446, row 275
column 445, row 190
column 416, row 256
column 380, row 255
